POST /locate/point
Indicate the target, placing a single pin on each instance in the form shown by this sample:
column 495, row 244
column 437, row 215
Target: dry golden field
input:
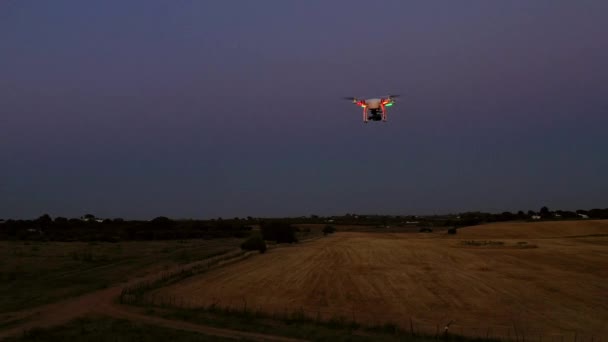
column 545, row 279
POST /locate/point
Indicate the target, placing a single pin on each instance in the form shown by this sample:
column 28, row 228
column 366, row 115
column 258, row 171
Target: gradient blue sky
column 200, row 109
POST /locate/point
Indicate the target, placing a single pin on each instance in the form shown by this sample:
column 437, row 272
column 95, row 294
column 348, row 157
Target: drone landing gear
column 383, row 113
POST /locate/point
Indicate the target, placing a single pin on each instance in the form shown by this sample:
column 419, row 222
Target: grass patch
column 135, row 294
column 482, row 243
column 525, row 244
column 496, row 244
column 101, row 329
column 296, row 325
column 35, row 273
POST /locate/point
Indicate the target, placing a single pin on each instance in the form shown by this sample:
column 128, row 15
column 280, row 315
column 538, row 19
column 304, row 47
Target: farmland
column 504, row 279
column 34, row 272
column 99, row 328
column 512, row 280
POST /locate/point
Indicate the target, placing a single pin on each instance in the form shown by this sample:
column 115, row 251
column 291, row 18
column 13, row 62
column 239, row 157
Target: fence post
column 411, row 327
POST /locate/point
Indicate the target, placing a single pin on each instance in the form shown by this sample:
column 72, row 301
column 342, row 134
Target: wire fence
column 415, row 326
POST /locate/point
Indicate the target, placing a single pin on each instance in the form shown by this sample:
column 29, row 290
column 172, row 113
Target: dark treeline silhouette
column 113, row 230
column 90, row 228
column 463, row 219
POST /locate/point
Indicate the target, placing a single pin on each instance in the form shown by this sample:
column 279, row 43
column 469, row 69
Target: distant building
column 583, row 216
column 536, row 217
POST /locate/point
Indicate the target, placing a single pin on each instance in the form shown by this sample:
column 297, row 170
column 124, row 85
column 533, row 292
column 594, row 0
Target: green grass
column 36, row 273
column 101, row 329
column 134, row 294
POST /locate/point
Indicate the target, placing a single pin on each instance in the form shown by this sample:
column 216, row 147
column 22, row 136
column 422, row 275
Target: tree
column 254, row 243
column 329, row 230
column 506, row 216
column 44, row 221
column 567, row 214
column 279, row 232
column 544, row 212
column 162, row 222
column 60, row 222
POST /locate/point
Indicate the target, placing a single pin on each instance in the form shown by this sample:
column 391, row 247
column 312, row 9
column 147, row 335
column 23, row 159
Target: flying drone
column 375, row 107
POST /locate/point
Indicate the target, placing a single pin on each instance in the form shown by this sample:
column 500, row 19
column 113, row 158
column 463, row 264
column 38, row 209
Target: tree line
column 113, row 230
column 90, row 228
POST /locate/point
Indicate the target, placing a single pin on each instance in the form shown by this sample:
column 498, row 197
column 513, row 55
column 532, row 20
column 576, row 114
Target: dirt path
column 103, row 302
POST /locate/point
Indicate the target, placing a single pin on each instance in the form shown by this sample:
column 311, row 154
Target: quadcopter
column 376, row 107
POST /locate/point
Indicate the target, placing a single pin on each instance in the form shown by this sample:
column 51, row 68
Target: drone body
column 374, row 109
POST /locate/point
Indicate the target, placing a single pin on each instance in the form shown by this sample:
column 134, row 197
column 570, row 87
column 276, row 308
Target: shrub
column 329, row 230
column 425, row 230
column 254, row 243
column 279, row 231
column 452, row 231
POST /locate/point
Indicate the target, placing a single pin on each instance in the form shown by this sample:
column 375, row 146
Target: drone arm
column 383, row 112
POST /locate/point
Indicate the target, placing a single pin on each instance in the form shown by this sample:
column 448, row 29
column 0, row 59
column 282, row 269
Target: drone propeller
column 392, row 96
column 352, row 99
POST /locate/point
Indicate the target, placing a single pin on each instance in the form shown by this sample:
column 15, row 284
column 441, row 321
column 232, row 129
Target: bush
column 452, row 231
column 329, row 230
column 425, row 230
column 279, row 231
column 254, row 243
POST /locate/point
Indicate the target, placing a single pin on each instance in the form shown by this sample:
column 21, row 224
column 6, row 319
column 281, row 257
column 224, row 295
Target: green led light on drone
column 389, row 104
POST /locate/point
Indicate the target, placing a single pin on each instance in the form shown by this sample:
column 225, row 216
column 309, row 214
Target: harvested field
column 557, row 289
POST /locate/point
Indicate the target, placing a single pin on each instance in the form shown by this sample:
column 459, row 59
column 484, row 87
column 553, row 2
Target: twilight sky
column 200, row 109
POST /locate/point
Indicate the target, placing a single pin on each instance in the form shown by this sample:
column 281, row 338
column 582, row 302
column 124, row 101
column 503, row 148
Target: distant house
column 91, row 218
column 536, row 217
column 583, row 216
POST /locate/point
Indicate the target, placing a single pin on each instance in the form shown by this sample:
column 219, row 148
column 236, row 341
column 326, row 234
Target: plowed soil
column 531, row 279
